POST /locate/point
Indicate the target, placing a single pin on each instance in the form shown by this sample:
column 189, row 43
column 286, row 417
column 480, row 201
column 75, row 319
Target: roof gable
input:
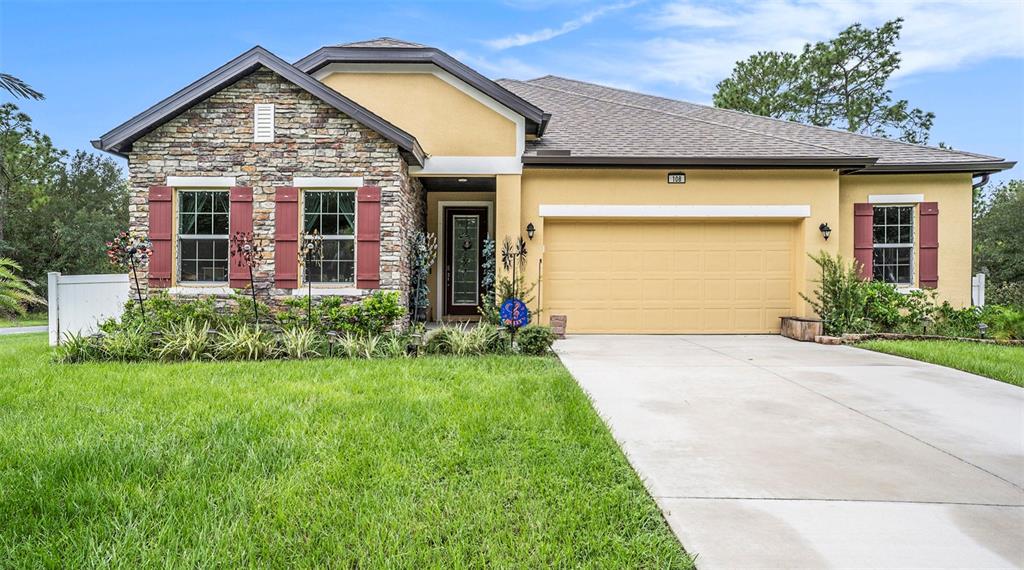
column 120, row 139
column 389, row 50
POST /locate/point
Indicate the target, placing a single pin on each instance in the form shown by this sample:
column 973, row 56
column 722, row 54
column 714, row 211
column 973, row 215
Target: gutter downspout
column 979, row 184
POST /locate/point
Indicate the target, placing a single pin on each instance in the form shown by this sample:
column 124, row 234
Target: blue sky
column 99, row 63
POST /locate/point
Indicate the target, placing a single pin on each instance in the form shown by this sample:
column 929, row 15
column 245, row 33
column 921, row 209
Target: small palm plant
column 131, row 250
column 15, row 291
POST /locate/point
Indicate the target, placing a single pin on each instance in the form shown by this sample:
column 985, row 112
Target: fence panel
column 978, row 290
column 77, row 303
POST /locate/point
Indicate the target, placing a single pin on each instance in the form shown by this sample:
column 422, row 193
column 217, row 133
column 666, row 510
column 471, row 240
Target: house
column 641, row 214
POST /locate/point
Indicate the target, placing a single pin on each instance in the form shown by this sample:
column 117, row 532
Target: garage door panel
column 669, row 276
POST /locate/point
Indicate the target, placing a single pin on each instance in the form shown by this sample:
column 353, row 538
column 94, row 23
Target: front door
column 464, row 232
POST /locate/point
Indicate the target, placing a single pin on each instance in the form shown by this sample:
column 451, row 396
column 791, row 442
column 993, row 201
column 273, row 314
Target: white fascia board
column 337, row 182
column 200, row 181
column 895, row 198
column 669, row 211
column 468, row 165
column 441, row 74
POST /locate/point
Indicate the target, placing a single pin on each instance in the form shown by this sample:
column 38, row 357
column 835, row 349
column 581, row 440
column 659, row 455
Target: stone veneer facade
column 214, row 138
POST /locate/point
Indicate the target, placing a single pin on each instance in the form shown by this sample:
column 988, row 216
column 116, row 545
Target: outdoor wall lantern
column 530, row 230
column 825, row 230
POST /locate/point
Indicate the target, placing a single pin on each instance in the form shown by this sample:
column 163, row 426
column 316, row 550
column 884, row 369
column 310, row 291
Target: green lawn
column 432, row 462
column 1002, row 362
column 31, row 319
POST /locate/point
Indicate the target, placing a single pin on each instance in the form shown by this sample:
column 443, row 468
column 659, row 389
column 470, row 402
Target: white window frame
column 912, row 245
column 178, row 236
column 338, row 237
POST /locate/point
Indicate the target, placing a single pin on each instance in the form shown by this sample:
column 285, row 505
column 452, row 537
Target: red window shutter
column 286, row 237
column 161, row 232
column 368, row 237
column 928, row 265
column 863, row 237
column 241, row 221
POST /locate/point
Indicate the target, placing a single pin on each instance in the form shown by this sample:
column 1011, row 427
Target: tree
column 840, row 83
column 57, row 211
column 998, row 225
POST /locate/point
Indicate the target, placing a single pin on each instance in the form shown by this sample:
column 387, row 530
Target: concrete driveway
column 767, row 452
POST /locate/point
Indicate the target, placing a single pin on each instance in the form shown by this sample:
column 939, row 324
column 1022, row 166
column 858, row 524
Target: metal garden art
column 311, row 253
column 424, row 254
column 514, row 313
column 247, row 253
column 130, row 250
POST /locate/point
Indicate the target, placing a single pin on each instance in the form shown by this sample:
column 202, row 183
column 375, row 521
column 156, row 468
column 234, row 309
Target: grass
column 1001, row 362
column 431, row 462
column 29, row 320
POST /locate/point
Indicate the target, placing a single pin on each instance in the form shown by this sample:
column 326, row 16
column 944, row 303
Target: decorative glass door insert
column 465, row 245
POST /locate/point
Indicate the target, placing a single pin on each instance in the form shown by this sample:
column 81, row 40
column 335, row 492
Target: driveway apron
column 764, row 452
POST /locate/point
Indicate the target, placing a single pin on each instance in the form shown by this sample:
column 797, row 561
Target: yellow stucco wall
column 817, row 188
column 830, row 196
column 446, row 121
column 953, row 194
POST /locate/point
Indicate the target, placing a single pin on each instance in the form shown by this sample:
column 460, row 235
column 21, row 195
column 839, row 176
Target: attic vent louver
column 263, row 123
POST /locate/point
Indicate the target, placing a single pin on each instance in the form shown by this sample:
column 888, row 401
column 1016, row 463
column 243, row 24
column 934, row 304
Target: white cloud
column 695, row 45
column 518, row 40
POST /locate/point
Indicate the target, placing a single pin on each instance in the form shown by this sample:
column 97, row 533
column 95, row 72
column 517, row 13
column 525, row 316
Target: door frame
column 442, row 245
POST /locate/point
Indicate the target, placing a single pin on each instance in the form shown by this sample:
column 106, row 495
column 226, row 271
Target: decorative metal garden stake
column 312, row 252
column 129, row 250
column 247, row 253
column 424, row 254
column 513, row 258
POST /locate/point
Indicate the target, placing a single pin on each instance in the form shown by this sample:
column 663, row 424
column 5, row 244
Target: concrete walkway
column 22, row 330
column 766, row 452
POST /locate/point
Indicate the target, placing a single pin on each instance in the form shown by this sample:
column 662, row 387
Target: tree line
column 57, row 208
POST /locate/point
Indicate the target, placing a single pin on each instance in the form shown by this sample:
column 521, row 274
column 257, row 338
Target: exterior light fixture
column 982, row 329
column 530, row 230
column 825, row 230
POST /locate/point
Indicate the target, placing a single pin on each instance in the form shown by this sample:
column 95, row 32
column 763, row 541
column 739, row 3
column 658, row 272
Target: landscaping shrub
column 301, row 342
column 129, row 344
column 1007, row 293
column 245, row 342
column 76, row 348
column 162, row 311
column 1005, row 323
column 393, row 346
column 374, row 315
column 890, row 310
column 535, row 340
column 188, row 340
column 950, row 321
column 840, row 297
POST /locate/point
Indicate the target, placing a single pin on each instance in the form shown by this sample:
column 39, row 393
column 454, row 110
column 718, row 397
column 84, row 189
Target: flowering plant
column 130, row 250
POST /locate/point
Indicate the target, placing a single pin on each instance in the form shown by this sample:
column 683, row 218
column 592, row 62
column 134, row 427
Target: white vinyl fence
column 77, row 303
column 978, row 290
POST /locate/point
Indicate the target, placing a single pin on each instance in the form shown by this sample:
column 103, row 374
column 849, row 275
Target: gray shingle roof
column 596, row 121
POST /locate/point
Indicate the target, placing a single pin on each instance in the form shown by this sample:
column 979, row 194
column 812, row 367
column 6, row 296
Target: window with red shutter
column 286, row 237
